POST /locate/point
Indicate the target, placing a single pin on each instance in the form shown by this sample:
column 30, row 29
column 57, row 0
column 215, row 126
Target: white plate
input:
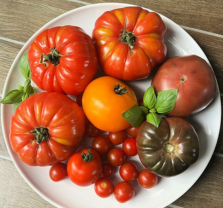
column 65, row 193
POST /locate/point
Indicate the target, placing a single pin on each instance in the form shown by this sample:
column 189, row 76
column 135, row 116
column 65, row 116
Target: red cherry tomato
column 104, row 187
column 124, row 191
column 107, row 169
column 91, row 131
column 101, row 144
column 128, row 171
column 117, row 137
column 79, row 99
column 129, row 147
column 147, row 179
column 58, row 172
column 132, row 131
column 116, row 157
column 84, row 167
column 140, row 102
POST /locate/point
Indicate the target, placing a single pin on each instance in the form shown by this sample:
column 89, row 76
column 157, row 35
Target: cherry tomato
column 147, row 179
column 90, row 130
column 104, row 187
column 132, row 131
column 129, row 147
column 116, row 157
column 105, row 100
column 124, row 191
column 128, row 171
column 79, row 99
column 107, row 169
column 117, row 137
column 140, row 102
column 84, row 167
column 58, row 172
column 101, row 144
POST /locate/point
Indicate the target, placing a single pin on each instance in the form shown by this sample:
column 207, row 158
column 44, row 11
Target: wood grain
column 15, row 192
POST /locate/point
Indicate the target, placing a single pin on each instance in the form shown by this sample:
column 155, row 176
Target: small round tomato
column 124, row 191
column 90, row 130
column 128, row 171
column 132, row 131
column 84, row 167
column 140, row 102
column 116, row 157
column 101, row 144
column 104, row 187
column 147, row 179
column 129, row 147
column 117, row 137
column 107, row 169
column 58, row 172
column 79, row 99
column 105, row 100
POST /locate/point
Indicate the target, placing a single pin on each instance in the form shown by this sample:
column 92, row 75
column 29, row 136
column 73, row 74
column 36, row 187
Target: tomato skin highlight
column 116, row 157
column 103, row 106
column 104, row 187
column 128, row 171
column 101, row 144
column 58, row 172
column 84, row 173
column 147, row 179
column 124, row 191
column 129, row 146
column 117, row 138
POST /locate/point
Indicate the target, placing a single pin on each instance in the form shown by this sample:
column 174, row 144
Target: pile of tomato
column 128, row 44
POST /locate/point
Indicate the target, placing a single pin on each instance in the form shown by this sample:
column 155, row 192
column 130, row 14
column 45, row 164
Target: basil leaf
column 144, row 109
column 166, row 101
column 16, row 105
column 20, row 87
column 149, row 98
column 154, row 119
column 25, row 96
column 12, row 97
column 135, row 116
column 24, row 65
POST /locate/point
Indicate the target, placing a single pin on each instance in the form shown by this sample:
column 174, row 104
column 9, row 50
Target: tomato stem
column 169, row 148
column 87, row 157
column 119, row 90
column 41, row 134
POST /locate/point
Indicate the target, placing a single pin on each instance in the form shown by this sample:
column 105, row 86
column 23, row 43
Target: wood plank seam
column 11, row 41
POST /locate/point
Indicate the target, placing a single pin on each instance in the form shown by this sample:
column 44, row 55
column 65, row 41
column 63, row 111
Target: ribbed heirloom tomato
column 63, row 59
column 105, row 100
column 46, row 128
column 129, row 42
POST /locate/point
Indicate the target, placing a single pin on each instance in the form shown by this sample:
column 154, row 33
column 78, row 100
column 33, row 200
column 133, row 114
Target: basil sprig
column 17, row 96
column 163, row 103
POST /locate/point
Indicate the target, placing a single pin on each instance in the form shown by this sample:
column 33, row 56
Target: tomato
column 117, row 137
column 105, row 100
column 79, row 99
column 84, row 167
column 46, row 128
column 63, row 59
column 91, row 131
column 107, row 169
column 147, row 179
column 194, row 79
column 128, row 171
column 104, row 187
column 132, row 131
column 129, row 42
column 124, row 191
column 116, row 157
column 129, row 147
column 140, row 102
column 101, row 144
column 58, row 172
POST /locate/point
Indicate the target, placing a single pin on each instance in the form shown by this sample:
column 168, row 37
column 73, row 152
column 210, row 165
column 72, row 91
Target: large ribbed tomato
column 46, row 128
column 129, row 42
column 63, row 59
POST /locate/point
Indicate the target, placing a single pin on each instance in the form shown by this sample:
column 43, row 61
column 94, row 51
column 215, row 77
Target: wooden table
column 202, row 19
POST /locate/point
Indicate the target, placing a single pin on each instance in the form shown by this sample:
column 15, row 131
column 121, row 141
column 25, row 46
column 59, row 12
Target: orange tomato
column 104, row 101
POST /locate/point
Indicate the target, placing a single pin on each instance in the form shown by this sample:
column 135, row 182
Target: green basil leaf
column 16, row 105
column 135, row 116
column 27, row 83
column 24, row 66
column 166, row 101
column 144, row 109
column 20, row 87
column 149, row 98
column 153, row 110
column 12, row 97
column 154, row 119
column 25, row 96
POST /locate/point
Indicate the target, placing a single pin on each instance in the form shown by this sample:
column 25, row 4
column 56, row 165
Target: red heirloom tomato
column 63, row 59
column 129, row 42
column 104, row 187
column 46, row 128
column 58, row 172
column 105, row 100
column 194, row 79
column 84, row 167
